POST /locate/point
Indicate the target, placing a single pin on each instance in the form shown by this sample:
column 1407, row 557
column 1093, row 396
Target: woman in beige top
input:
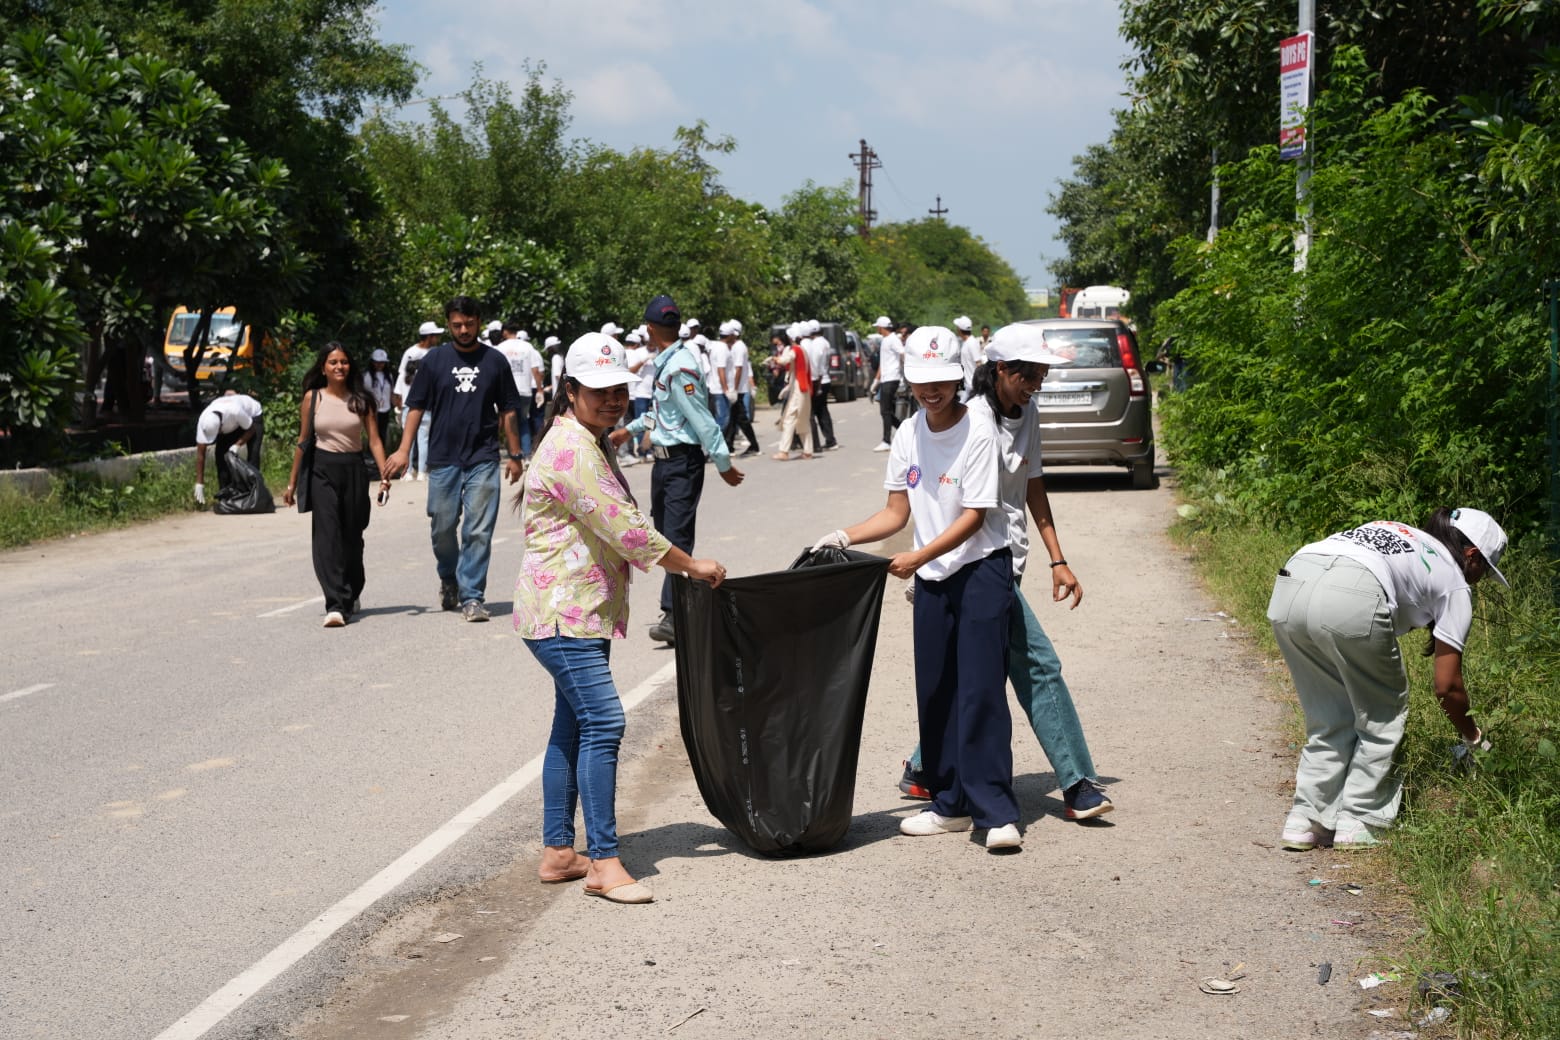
column 342, row 414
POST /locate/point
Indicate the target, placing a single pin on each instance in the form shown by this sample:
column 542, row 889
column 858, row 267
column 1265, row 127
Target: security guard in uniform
column 682, row 431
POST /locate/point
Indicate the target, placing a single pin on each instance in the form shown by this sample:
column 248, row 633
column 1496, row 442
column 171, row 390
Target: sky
column 981, row 102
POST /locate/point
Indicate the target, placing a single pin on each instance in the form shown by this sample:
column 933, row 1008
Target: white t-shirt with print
column 639, row 386
column 1420, row 576
column 1018, row 462
column 891, row 358
column 522, row 358
column 944, row 474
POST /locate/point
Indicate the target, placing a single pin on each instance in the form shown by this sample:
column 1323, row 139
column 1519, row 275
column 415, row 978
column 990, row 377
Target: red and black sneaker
column 910, row 785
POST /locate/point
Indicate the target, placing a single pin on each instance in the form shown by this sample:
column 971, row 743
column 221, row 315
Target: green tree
column 119, row 197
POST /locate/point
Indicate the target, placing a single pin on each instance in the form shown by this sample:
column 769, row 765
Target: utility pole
column 866, row 161
column 939, row 211
column 1303, row 201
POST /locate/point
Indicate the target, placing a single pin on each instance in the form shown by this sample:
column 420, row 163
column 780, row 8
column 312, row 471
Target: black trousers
column 251, row 450
column 887, row 391
column 740, row 420
column 822, row 422
column 340, row 511
column 676, row 483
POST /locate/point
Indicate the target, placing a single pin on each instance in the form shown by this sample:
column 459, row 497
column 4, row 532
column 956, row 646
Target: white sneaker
column 628, row 460
column 883, row 446
column 927, row 822
column 423, row 475
column 1303, row 835
column 1004, row 837
column 1354, row 834
column 334, row 620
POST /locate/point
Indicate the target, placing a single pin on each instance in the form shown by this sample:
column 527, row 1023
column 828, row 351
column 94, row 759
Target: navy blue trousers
column 961, row 648
column 675, row 486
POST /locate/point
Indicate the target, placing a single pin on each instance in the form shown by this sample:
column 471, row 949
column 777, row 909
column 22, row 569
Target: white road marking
column 289, row 609
column 500, row 541
column 28, row 691
column 229, row 998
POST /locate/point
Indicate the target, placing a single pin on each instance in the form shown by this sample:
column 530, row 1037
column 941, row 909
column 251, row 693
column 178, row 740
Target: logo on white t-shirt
column 913, row 477
column 465, row 379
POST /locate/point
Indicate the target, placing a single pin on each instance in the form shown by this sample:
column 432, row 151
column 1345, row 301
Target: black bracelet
column 1059, row 563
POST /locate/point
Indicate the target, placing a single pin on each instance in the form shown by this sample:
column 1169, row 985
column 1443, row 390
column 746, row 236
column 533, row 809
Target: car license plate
column 1055, row 400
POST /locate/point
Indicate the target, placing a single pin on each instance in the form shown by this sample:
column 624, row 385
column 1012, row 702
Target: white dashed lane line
column 26, row 691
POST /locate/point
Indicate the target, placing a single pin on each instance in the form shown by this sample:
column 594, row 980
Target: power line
column 866, row 161
column 940, row 209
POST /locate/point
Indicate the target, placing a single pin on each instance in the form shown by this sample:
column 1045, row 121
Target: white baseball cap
column 634, row 337
column 736, row 327
column 932, row 356
column 693, row 323
column 814, row 326
column 379, row 355
column 962, row 323
column 1023, row 343
column 611, row 328
column 700, row 341
column 883, row 323
column 644, row 331
column 725, row 329
column 1486, row 535
column 596, row 360
column 429, row 328
column 524, row 336
column 495, row 326
column 550, row 342
column 682, row 331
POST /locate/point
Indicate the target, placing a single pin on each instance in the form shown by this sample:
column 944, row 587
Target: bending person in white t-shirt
column 1337, row 609
column 942, row 478
column 230, row 422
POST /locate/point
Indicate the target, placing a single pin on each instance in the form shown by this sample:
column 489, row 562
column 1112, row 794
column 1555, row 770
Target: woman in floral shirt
column 582, row 531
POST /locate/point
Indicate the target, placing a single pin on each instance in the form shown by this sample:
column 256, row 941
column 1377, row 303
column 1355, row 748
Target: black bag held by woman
column 301, row 490
column 772, row 674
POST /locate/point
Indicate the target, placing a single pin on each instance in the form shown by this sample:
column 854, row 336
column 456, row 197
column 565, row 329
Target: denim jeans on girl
column 580, row 767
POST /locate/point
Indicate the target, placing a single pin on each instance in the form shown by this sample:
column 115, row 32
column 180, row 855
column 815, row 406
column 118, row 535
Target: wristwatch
column 516, row 458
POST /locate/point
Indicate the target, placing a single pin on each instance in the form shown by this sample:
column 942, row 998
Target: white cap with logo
column 1486, row 536
column 932, row 356
column 596, row 360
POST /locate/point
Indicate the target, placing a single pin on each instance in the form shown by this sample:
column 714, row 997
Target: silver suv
column 1096, row 411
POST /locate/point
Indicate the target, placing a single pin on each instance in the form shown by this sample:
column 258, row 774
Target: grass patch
column 1478, row 855
column 77, row 503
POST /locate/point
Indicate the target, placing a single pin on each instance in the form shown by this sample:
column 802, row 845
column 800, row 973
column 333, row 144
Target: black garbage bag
column 244, row 491
column 772, row 675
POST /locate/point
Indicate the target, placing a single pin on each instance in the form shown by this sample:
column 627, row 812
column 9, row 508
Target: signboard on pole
column 1294, row 88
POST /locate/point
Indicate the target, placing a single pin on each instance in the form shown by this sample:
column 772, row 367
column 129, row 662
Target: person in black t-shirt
column 468, row 387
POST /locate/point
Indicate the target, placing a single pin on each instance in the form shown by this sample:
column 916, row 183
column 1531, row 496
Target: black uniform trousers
column 676, row 482
column 740, row 420
column 822, row 422
column 340, row 507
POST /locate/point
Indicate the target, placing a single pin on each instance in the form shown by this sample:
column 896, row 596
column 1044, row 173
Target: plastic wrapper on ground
column 772, row 675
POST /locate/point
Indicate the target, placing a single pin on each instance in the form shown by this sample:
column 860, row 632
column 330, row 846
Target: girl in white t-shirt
column 942, row 479
column 1338, row 608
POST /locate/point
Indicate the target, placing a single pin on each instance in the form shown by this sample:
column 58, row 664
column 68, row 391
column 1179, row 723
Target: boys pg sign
column 1294, row 88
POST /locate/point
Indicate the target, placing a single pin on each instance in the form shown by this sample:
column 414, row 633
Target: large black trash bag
column 244, row 491
column 772, row 675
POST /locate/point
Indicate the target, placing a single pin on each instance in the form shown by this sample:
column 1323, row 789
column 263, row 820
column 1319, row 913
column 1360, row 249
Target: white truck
column 1099, row 301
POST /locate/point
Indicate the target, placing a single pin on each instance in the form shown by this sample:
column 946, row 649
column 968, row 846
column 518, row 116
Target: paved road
column 194, row 771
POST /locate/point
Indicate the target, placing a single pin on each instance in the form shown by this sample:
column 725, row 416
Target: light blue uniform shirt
column 680, row 407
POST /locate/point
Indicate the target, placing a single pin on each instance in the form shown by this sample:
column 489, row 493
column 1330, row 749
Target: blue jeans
column 1036, row 675
column 641, row 406
column 419, row 454
column 523, row 419
column 580, row 766
column 467, row 497
column 722, row 408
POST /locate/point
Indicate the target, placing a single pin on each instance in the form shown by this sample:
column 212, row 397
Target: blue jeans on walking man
column 465, row 498
column 580, row 766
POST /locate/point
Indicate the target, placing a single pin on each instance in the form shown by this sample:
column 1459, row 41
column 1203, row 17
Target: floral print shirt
column 582, row 530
